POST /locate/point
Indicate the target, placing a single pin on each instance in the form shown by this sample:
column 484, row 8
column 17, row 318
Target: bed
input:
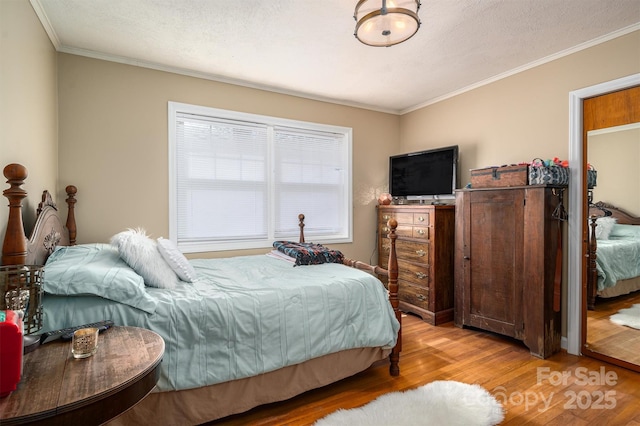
column 614, row 253
column 231, row 334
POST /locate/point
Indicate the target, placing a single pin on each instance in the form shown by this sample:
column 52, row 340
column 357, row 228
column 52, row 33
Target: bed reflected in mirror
column 613, row 322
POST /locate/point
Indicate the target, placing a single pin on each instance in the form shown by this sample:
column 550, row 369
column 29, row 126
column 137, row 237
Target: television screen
column 424, row 175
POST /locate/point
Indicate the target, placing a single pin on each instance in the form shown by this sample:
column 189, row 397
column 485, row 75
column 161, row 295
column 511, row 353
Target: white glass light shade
column 385, row 23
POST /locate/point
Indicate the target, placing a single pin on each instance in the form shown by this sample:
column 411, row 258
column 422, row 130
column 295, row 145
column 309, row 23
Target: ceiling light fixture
column 383, row 23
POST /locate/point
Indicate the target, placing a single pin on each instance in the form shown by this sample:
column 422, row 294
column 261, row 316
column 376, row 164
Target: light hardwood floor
column 611, row 339
column 561, row 390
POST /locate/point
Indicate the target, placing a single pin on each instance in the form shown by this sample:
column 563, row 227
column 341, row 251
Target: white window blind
column 240, row 180
column 309, row 177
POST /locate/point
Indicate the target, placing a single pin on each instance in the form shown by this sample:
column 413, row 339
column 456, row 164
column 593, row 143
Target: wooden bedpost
column 394, row 358
column 592, row 273
column 14, row 248
column 71, row 217
column 392, row 285
column 301, row 225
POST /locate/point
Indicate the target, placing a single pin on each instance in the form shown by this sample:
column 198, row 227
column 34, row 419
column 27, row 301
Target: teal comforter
column 618, row 258
column 242, row 317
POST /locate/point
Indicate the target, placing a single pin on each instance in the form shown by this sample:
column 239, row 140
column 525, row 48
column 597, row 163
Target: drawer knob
column 421, row 231
column 421, row 296
column 421, row 253
column 385, row 229
column 420, row 219
column 386, row 217
column 421, row 275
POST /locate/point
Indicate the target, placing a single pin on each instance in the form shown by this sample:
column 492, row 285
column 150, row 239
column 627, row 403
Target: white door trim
column 574, row 285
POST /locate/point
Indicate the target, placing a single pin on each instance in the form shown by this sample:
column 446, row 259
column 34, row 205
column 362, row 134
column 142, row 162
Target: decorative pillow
column 97, row 270
column 625, row 231
column 141, row 253
column 604, row 228
column 176, row 260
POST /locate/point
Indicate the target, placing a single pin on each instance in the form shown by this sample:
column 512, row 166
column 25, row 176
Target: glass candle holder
column 84, row 342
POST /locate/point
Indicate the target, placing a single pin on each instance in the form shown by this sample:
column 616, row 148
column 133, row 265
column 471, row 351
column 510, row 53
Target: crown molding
column 619, row 33
column 46, row 24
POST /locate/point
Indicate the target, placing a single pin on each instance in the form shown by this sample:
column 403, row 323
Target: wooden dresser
column 425, row 248
column 506, row 252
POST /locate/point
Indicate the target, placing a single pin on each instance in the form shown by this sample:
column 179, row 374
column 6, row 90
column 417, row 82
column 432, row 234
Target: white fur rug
column 629, row 317
column 442, row 403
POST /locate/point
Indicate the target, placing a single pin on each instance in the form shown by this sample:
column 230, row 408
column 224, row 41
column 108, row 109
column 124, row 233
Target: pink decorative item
column 385, row 199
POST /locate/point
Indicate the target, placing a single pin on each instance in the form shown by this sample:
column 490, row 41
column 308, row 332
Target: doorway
column 576, row 313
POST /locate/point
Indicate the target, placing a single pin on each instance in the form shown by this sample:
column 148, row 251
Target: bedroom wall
column 616, row 156
column 520, row 117
column 113, row 144
column 28, row 104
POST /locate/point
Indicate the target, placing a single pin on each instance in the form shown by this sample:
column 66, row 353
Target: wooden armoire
column 506, row 263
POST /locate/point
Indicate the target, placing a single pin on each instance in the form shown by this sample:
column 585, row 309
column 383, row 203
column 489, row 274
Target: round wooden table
column 56, row 389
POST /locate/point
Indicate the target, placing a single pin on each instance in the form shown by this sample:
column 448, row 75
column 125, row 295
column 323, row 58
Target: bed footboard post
column 301, row 226
column 71, row 216
column 592, row 273
column 394, row 358
column 14, row 248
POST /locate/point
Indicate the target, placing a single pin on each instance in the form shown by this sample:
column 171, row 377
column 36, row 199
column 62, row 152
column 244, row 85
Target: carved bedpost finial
column 47, row 200
column 301, row 225
column 71, row 216
column 14, row 249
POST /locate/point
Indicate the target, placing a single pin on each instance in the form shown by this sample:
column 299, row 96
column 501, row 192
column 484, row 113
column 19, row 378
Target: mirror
column 615, row 153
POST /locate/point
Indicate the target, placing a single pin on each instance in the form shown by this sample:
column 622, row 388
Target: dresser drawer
column 402, row 231
column 406, row 218
column 421, row 219
column 407, row 250
column 417, row 273
column 413, row 294
column 420, row 232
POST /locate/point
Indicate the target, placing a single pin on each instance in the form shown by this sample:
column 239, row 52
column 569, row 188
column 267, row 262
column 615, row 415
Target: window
column 239, row 180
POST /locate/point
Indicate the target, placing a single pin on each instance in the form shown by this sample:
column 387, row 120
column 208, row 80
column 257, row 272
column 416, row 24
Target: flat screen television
column 424, row 175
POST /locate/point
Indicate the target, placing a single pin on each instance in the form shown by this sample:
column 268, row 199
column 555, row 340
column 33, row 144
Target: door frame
column 576, row 230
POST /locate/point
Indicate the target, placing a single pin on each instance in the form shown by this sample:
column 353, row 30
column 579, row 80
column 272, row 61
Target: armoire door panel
column 494, row 261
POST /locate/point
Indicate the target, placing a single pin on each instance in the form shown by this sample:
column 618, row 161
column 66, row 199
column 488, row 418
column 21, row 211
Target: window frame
column 175, row 108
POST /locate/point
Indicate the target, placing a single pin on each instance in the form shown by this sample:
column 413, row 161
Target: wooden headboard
column 48, row 231
column 600, row 209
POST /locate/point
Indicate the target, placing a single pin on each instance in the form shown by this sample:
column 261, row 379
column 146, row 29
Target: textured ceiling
column 307, row 47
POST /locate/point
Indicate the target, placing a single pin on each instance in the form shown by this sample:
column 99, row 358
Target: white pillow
column 176, row 260
column 141, row 253
column 604, row 227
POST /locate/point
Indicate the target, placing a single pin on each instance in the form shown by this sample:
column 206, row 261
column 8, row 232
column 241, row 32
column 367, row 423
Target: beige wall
column 28, row 104
column 521, row 117
column 616, row 156
column 113, row 144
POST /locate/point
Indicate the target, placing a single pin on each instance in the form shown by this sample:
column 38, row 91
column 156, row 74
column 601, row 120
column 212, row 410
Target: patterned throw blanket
column 308, row 253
